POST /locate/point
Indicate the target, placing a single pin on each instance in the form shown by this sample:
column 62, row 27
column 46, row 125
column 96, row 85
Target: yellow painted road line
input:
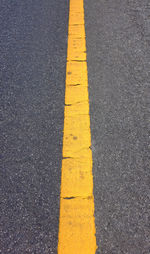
column 76, row 225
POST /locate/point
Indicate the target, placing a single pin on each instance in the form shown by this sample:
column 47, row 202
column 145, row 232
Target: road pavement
column 118, row 36
column 33, row 52
column 33, row 45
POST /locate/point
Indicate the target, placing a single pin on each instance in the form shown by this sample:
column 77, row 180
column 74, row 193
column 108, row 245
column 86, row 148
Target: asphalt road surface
column 33, row 51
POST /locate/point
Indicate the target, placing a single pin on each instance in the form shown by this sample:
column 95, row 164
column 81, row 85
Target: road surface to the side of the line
column 118, row 55
column 33, row 47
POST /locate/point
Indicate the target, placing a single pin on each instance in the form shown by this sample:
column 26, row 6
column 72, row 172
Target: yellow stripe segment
column 76, row 226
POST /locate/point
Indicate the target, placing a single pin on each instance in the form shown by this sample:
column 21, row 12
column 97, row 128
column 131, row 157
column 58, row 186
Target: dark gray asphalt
column 118, row 51
column 33, row 43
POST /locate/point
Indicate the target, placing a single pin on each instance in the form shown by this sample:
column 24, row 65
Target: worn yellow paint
column 76, row 226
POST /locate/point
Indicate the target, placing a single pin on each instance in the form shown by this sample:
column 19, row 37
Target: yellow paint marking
column 76, row 226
